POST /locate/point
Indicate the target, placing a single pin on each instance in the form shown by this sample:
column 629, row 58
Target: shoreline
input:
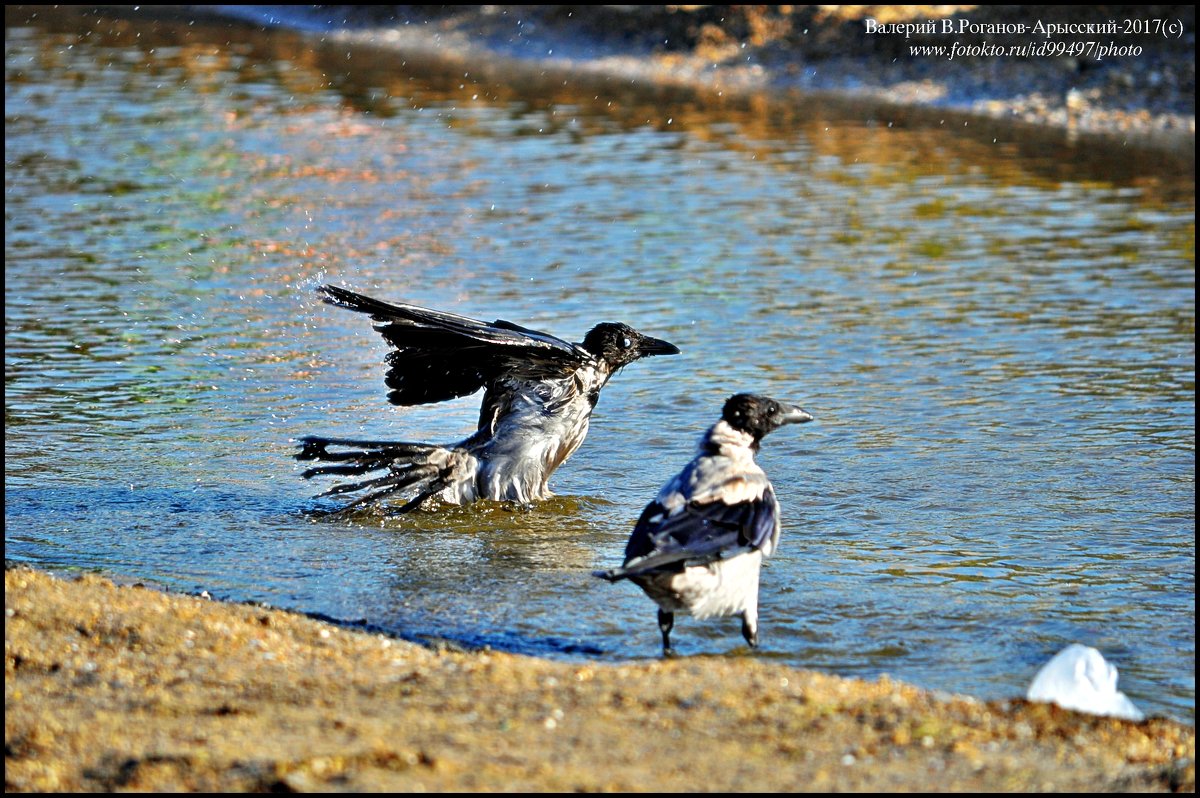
column 811, row 60
column 821, row 51
column 123, row 687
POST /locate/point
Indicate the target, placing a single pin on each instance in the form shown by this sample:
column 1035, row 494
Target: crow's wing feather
column 441, row 355
column 699, row 532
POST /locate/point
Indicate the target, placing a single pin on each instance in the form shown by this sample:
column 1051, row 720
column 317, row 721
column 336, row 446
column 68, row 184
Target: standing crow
column 699, row 546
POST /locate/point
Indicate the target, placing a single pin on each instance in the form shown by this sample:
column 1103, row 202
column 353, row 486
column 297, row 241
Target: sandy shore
column 127, row 688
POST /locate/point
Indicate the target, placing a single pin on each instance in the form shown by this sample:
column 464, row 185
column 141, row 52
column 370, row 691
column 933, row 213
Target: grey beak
column 793, row 414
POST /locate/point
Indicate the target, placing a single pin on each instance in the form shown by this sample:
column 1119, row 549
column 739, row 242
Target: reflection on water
column 994, row 328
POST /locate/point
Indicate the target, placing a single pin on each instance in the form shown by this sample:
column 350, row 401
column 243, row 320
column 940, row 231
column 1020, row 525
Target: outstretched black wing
column 700, row 532
column 440, row 356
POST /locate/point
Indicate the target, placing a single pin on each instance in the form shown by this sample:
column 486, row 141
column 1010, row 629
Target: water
column 993, row 327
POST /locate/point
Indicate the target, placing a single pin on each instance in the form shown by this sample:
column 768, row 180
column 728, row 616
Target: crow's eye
column 772, row 408
column 626, row 343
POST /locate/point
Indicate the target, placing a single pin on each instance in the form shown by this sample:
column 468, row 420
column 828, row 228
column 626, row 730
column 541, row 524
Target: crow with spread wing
column 539, row 393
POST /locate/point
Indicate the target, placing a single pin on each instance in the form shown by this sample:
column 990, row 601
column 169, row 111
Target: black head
column 759, row 415
column 619, row 344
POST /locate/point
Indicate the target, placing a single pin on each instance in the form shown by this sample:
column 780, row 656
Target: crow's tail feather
column 675, row 560
column 407, row 464
column 612, row 574
column 367, row 455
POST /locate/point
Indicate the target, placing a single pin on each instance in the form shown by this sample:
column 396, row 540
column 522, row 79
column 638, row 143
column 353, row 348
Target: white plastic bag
column 1079, row 678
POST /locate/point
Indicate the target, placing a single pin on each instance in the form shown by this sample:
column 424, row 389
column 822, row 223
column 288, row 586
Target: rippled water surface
column 995, row 332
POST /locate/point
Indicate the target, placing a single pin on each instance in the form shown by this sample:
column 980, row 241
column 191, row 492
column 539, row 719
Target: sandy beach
column 126, row 688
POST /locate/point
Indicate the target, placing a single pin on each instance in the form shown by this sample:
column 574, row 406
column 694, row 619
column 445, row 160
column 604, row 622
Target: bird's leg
column 666, row 621
column 750, row 628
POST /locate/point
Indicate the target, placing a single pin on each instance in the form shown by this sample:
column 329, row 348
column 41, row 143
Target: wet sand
column 127, row 688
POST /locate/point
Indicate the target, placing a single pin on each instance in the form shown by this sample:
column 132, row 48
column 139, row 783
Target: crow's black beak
column 648, row 346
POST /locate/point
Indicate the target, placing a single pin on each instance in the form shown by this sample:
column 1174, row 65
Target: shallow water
column 993, row 327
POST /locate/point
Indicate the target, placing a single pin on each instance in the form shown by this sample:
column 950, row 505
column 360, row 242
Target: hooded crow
column 539, row 393
column 699, row 546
